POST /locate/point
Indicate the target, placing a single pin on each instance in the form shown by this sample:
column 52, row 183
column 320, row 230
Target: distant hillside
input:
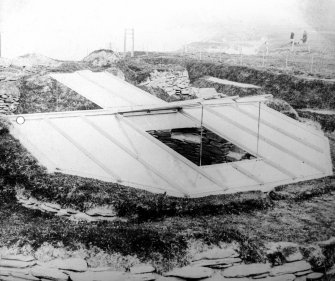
column 278, row 40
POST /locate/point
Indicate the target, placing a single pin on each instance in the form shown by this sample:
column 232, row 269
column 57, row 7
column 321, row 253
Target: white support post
column 273, row 126
column 268, row 161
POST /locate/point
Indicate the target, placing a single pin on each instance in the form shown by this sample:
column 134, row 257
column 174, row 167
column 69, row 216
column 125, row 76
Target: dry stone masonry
column 174, row 82
column 9, row 97
column 216, row 264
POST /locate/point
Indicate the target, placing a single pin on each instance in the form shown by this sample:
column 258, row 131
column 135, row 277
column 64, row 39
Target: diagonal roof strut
column 174, row 153
column 134, row 155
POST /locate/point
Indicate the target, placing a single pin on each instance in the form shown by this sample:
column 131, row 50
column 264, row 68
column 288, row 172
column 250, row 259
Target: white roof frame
column 112, row 144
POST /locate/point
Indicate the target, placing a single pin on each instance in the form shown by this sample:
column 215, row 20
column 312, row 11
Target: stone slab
column 15, row 263
column 18, row 258
column 71, row 264
column 98, row 276
column 210, row 263
column 49, row 273
column 246, row 270
column 139, row 269
column 190, row 272
column 216, row 253
column 291, row 267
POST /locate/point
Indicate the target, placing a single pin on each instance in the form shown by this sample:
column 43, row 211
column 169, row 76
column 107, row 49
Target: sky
column 70, row 29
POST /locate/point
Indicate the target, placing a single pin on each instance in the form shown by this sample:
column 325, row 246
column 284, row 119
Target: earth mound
column 31, row 60
column 102, row 58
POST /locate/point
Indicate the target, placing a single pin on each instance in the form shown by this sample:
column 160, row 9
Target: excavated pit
column 187, row 142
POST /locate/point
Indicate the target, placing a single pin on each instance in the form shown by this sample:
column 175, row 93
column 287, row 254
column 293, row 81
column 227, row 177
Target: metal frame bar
column 174, row 153
column 265, row 139
column 132, row 143
column 135, row 155
column 278, row 129
column 246, row 173
column 83, row 150
column 268, row 161
column 292, row 121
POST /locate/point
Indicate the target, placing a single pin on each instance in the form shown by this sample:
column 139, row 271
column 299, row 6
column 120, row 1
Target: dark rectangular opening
column 187, row 142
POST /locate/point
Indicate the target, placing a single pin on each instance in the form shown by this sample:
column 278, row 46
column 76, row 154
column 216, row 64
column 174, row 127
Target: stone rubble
column 217, row 264
column 103, row 213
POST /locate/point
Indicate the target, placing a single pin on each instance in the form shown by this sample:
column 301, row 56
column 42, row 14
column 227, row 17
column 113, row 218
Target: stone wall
column 186, row 141
column 9, row 97
column 216, row 263
column 175, row 83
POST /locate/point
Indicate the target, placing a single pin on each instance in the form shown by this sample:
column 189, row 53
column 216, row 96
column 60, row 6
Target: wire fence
column 296, row 59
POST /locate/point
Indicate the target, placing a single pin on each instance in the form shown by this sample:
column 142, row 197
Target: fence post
column 263, row 59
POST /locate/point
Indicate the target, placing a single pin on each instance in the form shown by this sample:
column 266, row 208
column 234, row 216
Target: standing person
column 292, row 41
column 304, row 37
column 292, row 37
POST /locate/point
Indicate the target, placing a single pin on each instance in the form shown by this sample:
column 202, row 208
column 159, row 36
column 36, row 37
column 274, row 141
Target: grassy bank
column 297, row 91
